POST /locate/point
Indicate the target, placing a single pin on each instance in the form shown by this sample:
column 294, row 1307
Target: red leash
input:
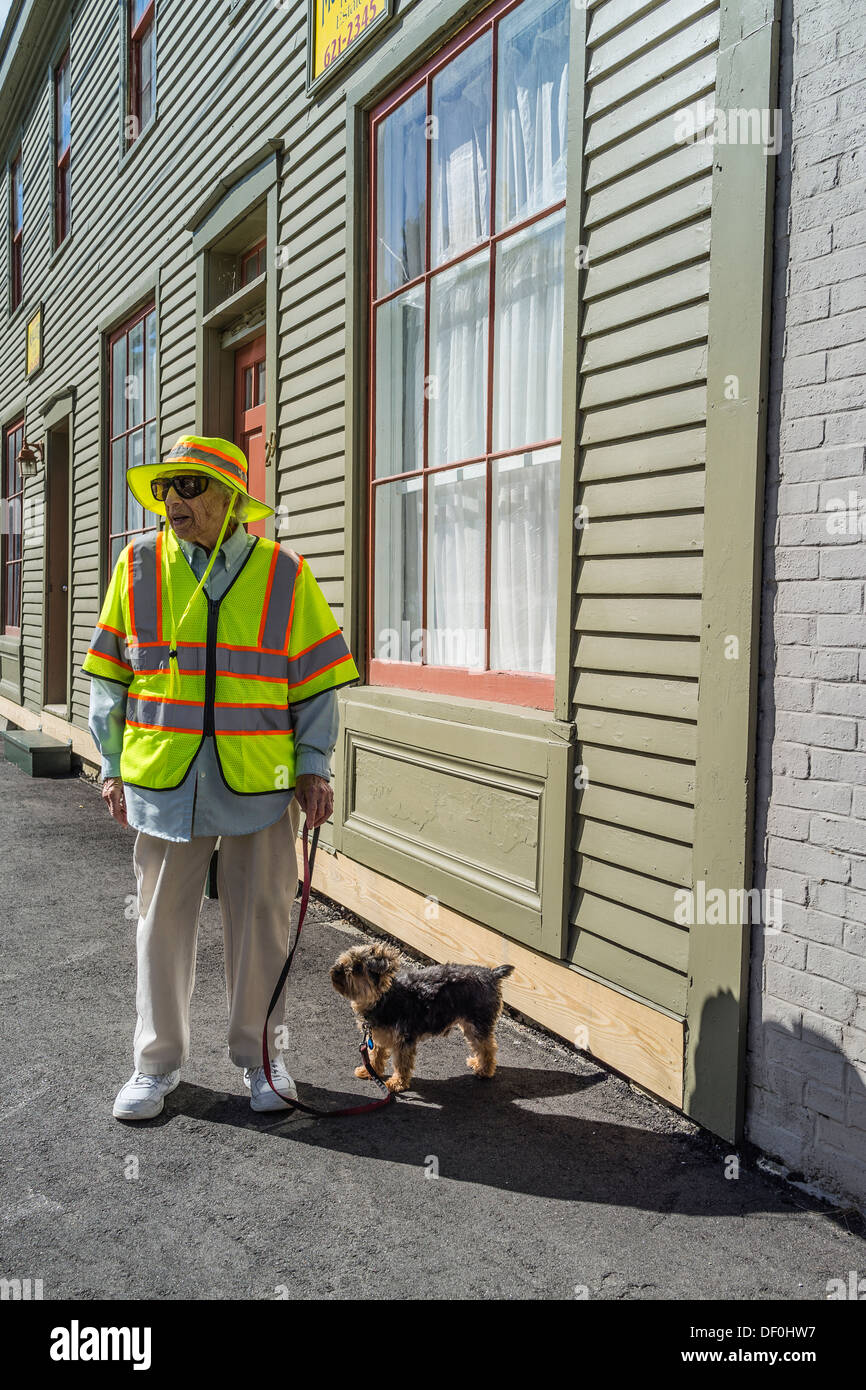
column 365, row 1045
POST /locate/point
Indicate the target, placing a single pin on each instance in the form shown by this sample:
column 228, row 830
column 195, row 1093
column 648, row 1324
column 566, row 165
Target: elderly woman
column 214, row 667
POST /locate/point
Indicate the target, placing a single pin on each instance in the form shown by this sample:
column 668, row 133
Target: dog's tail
column 502, row 970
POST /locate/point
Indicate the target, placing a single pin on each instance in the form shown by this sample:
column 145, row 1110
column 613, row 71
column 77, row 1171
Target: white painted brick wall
column 806, row 1077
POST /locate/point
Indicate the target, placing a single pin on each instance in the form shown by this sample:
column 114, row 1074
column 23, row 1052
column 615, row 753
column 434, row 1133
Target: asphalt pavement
column 555, row 1180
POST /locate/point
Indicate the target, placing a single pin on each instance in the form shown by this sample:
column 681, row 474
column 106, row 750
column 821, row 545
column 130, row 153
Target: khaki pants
column 257, row 879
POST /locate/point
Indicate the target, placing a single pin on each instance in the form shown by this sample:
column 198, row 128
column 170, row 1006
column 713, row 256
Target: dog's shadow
column 510, row 1133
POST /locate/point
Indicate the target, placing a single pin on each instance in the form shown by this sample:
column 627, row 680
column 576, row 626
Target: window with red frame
column 140, row 66
column 16, row 231
column 132, row 433
column 252, row 262
column 467, row 274
column 12, row 508
column 62, row 148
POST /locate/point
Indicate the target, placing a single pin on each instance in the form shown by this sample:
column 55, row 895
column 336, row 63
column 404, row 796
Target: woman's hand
column 315, row 797
column 112, row 795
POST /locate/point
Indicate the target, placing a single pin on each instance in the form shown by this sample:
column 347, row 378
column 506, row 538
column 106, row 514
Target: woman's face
column 198, row 519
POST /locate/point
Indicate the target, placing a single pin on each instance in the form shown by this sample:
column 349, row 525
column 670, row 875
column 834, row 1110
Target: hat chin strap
column 173, row 670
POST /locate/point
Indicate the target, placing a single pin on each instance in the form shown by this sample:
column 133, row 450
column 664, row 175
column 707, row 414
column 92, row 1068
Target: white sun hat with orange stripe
column 195, row 453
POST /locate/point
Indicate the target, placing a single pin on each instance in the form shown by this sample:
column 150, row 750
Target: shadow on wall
column 806, row 1101
column 804, row 1092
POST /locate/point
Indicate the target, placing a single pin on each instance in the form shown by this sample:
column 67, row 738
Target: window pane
column 400, row 383
column 532, row 109
column 134, row 509
column 523, row 557
column 527, row 367
column 401, row 156
column 248, row 387
column 150, row 399
column 63, row 200
column 13, row 582
column 118, row 385
column 398, row 561
column 63, row 108
column 459, row 301
column 260, row 383
column 461, row 152
column 15, row 525
column 16, row 482
column 455, row 567
column 116, row 546
column 138, row 9
column 10, row 468
column 136, row 373
column 118, row 486
column 150, row 444
column 146, row 76
column 17, row 198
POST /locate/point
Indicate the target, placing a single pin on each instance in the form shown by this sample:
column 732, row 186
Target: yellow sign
column 339, row 27
column 34, row 342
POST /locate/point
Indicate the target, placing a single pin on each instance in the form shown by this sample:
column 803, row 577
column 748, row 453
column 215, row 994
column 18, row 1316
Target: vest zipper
column 213, row 608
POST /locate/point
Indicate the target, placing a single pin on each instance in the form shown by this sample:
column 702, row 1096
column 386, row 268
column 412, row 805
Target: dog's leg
column 404, row 1065
column 483, row 1060
column 382, row 1043
column 379, row 1055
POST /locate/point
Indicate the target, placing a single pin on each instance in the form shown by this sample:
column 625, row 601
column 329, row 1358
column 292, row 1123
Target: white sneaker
column 261, row 1095
column 144, row 1096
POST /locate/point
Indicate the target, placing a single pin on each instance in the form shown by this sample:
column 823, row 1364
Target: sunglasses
column 186, row 485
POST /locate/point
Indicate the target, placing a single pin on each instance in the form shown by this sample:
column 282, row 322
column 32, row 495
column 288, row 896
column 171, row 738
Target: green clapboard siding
column 641, row 480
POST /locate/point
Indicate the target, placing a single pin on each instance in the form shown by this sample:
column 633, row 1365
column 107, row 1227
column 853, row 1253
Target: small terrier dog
column 398, row 1006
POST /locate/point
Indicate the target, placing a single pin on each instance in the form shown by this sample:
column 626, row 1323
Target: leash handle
column 309, row 860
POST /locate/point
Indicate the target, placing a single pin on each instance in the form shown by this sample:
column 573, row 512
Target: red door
column 250, row 417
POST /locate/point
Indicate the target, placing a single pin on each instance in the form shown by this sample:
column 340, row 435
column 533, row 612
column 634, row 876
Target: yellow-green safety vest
column 269, row 642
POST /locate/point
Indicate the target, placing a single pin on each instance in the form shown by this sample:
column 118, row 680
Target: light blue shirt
column 203, row 804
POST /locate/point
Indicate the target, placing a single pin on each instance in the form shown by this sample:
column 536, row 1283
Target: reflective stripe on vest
column 321, row 656
column 233, row 669
column 109, row 645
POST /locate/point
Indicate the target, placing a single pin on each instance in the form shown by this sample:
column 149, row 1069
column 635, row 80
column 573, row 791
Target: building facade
column 486, row 293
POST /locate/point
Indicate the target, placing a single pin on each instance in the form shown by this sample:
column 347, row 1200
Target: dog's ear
column 379, row 965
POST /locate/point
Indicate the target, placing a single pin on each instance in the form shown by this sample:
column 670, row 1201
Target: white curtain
column 402, row 160
column 455, row 567
column 523, row 562
column 397, row 577
column 532, row 121
column 527, row 407
column 460, row 208
column 527, row 348
column 459, row 300
column 400, row 383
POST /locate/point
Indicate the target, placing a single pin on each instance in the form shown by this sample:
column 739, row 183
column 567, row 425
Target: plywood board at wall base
column 643, row 1043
